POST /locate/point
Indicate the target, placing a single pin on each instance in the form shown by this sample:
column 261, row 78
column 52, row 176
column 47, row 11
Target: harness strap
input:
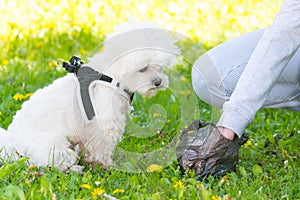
column 86, row 75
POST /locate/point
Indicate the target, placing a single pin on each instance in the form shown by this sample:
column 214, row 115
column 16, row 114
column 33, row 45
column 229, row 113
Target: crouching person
column 260, row 69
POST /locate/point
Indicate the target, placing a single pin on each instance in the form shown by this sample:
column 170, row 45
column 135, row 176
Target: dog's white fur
column 52, row 121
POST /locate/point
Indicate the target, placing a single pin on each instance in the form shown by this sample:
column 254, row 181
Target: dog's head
column 145, row 80
column 136, row 56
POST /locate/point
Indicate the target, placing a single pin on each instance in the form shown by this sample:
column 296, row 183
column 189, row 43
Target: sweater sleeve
column 272, row 53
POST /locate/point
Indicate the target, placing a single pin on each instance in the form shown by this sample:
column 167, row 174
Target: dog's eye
column 144, row 69
column 160, row 68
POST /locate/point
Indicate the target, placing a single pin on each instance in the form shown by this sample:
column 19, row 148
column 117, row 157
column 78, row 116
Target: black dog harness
column 86, row 75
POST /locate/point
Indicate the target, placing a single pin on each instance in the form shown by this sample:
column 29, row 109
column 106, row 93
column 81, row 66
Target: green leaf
column 13, row 192
column 243, row 171
column 257, row 170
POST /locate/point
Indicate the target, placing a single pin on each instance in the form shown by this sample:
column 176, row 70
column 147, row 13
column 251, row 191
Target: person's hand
column 205, row 150
column 227, row 133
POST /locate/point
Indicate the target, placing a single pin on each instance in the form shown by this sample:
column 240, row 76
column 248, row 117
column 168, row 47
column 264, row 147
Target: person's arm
column 274, row 50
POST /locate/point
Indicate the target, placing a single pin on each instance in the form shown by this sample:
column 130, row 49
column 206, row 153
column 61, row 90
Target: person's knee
column 200, row 86
column 207, row 81
column 216, row 73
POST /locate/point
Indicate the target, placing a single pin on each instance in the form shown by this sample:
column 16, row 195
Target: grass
column 269, row 163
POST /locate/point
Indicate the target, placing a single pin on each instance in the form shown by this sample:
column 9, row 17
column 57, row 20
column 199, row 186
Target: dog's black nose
column 157, row 81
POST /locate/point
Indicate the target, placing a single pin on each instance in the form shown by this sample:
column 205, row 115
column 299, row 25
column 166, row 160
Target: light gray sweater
column 272, row 53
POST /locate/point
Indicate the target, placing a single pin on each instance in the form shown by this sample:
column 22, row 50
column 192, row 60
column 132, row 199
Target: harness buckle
column 74, row 65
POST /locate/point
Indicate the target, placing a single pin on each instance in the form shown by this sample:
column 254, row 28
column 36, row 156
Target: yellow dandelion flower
column 82, row 51
column 97, row 193
column 53, row 64
column 5, row 62
column 1, row 113
column 18, row 97
column 32, row 166
column 154, row 168
column 179, row 184
column 168, row 121
column 215, row 197
column 28, row 95
column 86, row 186
column 118, row 191
column 248, row 143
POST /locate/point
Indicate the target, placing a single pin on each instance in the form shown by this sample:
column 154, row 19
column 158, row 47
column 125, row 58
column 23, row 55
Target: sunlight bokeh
column 207, row 21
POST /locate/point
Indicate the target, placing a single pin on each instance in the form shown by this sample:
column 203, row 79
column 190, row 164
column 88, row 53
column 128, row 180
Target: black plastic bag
column 205, row 150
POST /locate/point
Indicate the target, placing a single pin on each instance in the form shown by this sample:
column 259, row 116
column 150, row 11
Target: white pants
column 215, row 74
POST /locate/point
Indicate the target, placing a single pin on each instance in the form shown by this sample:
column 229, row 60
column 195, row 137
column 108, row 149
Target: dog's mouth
column 151, row 90
column 160, row 87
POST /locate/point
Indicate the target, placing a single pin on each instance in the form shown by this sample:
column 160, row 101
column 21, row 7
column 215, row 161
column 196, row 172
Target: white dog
column 54, row 119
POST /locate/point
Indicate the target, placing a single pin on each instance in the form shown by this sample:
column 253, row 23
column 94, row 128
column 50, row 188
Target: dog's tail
column 6, row 145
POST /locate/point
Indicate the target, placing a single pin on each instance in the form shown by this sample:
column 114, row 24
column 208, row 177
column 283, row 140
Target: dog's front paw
column 72, row 168
column 77, row 169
